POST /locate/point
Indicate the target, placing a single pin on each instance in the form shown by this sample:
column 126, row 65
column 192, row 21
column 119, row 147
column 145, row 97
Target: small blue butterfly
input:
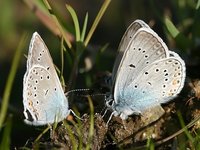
column 43, row 97
column 145, row 74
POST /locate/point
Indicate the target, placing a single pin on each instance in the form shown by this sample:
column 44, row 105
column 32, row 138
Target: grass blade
column 184, row 127
column 96, row 21
column 84, row 27
column 58, row 23
column 171, row 28
column 198, row 4
column 10, row 80
column 75, row 20
column 5, row 143
column 91, row 129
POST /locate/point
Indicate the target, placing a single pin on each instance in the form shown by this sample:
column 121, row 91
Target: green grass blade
column 171, row 28
column 5, row 143
column 75, row 20
column 185, row 129
column 71, row 135
column 84, row 27
column 198, row 4
column 96, row 21
column 150, row 144
column 41, row 134
column 11, row 76
column 62, row 56
column 58, row 23
column 91, row 129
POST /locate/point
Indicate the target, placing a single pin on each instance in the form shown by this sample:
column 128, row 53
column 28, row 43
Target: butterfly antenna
column 80, row 90
column 76, row 90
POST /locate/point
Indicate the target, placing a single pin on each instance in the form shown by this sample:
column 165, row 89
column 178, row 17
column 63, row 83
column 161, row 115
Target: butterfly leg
column 74, row 114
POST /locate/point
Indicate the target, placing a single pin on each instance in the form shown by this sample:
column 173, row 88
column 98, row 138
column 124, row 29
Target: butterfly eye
column 48, row 68
column 48, row 77
column 38, row 58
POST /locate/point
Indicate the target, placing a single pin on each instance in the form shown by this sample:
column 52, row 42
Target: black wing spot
column 131, row 65
column 46, row 92
column 30, row 118
column 36, row 81
column 157, row 70
column 149, row 83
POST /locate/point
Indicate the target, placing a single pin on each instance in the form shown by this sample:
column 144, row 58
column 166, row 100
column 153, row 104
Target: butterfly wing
column 155, row 84
column 127, row 37
column 144, row 48
column 43, row 97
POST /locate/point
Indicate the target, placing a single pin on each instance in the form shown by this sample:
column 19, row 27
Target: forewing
column 144, row 48
column 127, row 37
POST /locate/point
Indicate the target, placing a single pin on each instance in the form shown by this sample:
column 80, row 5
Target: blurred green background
column 17, row 18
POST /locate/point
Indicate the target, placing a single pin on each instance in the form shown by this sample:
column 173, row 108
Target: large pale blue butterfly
column 145, row 74
column 43, row 97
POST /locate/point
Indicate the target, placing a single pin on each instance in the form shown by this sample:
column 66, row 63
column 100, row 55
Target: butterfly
column 145, row 74
column 43, row 97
